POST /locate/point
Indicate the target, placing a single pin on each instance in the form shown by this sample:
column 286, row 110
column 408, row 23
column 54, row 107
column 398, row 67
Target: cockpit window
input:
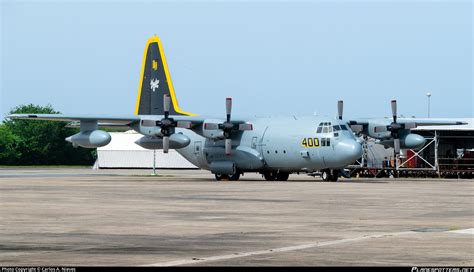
column 325, row 127
column 344, row 127
column 336, row 128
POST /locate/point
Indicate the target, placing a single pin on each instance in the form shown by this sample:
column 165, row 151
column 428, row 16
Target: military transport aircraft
column 228, row 147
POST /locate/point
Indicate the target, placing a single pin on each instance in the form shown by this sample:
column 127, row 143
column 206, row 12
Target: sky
column 271, row 57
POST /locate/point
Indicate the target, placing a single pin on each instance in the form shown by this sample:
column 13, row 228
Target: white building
column 122, row 152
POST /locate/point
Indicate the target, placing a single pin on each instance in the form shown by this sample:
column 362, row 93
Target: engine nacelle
column 214, row 134
column 90, row 139
column 177, row 140
column 414, row 141
column 409, row 141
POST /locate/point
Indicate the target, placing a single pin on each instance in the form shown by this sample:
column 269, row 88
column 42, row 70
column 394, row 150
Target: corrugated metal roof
column 468, row 127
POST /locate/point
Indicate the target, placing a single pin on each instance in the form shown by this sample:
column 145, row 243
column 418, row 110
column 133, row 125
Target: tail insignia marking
column 154, row 84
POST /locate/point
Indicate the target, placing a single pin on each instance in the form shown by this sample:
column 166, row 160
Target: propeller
column 167, row 124
column 228, row 127
column 395, row 127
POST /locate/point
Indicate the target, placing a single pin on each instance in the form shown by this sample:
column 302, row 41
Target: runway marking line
column 464, row 231
column 276, row 250
column 293, row 248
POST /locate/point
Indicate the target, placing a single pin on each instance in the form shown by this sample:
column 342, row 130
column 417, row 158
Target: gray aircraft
column 228, row 147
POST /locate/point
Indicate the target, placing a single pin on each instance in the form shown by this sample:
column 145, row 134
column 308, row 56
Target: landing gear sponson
column 275, row 175
column 268, row 175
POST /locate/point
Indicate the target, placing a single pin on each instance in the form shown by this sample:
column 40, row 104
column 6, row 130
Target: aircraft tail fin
column 155, row 81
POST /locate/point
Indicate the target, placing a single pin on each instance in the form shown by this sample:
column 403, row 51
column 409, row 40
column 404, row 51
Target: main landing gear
column 329, row 175
column 235, row 176
column 274, row 175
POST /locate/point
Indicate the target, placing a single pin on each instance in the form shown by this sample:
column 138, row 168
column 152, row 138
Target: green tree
column 8, row 146
column 36, row 142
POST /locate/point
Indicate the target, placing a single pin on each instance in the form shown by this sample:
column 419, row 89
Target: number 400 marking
column 310, row 142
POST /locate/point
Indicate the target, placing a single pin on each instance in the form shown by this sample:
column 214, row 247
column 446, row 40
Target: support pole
column 436, row 154
column 154, row 162
column 397, row 157
column 365, row 152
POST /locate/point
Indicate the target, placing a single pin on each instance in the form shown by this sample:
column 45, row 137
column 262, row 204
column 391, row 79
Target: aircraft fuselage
column 289, row 144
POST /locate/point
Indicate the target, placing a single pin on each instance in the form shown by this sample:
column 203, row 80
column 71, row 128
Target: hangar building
column 448, row 152
column 122, row 152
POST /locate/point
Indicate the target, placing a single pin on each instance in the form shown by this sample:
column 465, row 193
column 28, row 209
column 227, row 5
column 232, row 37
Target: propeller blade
column 228, row 146
column 166, row 144
column 378, row 129
column 184, row 124
column 245, row 127
column 228, row 107
column 211, row 126
column 166, row 104
column 396, row 145
column 394, row 110
column 340, row 105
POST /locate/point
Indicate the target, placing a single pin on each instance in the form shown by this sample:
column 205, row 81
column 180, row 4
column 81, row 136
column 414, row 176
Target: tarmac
column 75, row 217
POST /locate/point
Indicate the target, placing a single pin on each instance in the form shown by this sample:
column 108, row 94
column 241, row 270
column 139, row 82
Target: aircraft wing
column 105, row 120
column 417, row 121
column 118, row 120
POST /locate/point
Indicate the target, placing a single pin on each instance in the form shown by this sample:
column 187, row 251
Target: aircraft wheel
column 282, row 176
column 269, row 175
column 222, row 177
column 325, row 175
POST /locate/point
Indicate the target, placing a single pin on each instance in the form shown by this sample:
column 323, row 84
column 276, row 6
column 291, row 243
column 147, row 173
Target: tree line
column 36, row 142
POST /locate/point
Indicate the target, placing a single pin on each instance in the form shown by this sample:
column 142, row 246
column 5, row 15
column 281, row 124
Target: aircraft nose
column 349, row 150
